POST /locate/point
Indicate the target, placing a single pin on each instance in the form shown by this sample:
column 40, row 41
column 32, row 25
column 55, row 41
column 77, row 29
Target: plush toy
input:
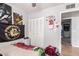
column 51, row 51
column 24, row 46
column 19, row 44
column 39, row 51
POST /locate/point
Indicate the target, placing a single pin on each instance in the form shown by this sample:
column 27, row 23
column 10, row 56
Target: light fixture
column 33, row 4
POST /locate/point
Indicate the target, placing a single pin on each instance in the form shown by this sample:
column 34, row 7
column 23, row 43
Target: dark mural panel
column 11, row 32
column 5, row 13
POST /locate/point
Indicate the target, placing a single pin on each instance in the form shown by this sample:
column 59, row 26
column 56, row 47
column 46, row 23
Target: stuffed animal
column 39, row 51
column 51, row 51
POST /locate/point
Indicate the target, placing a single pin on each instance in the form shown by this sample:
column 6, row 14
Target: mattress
column 12, row 50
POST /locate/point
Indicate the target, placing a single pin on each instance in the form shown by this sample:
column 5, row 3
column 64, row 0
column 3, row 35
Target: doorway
column 70, row 33
column 66, row 23
column 66, row 31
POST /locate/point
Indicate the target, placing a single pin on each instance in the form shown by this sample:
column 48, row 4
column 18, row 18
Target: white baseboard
column 75, row 45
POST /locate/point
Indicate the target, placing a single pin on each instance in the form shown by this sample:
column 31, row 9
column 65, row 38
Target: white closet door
column 41, row 31
column 37, row 31
column 30, row 28
column 75, row 31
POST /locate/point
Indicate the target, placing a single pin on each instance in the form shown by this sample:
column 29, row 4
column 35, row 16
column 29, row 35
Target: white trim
column 67, row 18
column 75, row 45
column 70, row 10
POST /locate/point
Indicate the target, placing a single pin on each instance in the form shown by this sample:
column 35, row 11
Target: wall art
column 11, row 32
column 5, row 13
column 52, row 22
column 18, row 19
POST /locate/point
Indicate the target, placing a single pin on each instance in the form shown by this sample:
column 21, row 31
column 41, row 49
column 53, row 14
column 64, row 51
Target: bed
column 22, row 49
column 19, row 48
column 12, row 50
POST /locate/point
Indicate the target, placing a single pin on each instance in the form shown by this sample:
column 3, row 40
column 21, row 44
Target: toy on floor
column 24, row 46
column 51, row 51
column 39, row 51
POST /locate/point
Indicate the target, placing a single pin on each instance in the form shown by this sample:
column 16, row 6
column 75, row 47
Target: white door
column 75, row 31
column 36, row 31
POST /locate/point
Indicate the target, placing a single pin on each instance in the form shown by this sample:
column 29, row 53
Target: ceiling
column 27, row 7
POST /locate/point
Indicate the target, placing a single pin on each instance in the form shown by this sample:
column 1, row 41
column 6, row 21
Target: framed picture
column 18, row 19
column 5, row 13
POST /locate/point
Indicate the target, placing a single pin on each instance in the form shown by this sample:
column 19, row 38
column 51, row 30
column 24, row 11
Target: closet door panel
column 37, row 32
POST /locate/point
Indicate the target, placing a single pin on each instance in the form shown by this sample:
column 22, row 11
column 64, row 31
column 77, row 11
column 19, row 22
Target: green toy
column 39, row 51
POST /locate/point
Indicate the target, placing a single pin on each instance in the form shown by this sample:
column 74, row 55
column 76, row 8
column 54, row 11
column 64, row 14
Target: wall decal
column 52, row 22
column 5, row 13
column 17, row 19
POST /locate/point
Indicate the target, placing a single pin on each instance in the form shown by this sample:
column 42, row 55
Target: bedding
column 12, row 50
column 20, row 49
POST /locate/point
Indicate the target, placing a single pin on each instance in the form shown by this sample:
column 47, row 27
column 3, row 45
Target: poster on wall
column 11, row 32
column 52, row 23
column 5, row 13
column 18, row 19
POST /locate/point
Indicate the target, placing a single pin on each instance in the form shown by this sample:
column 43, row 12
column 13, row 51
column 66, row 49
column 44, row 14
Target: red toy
column 22, row 45
column 51, row 51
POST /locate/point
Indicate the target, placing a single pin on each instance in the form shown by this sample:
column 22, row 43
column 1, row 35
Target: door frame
column 66, row 11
